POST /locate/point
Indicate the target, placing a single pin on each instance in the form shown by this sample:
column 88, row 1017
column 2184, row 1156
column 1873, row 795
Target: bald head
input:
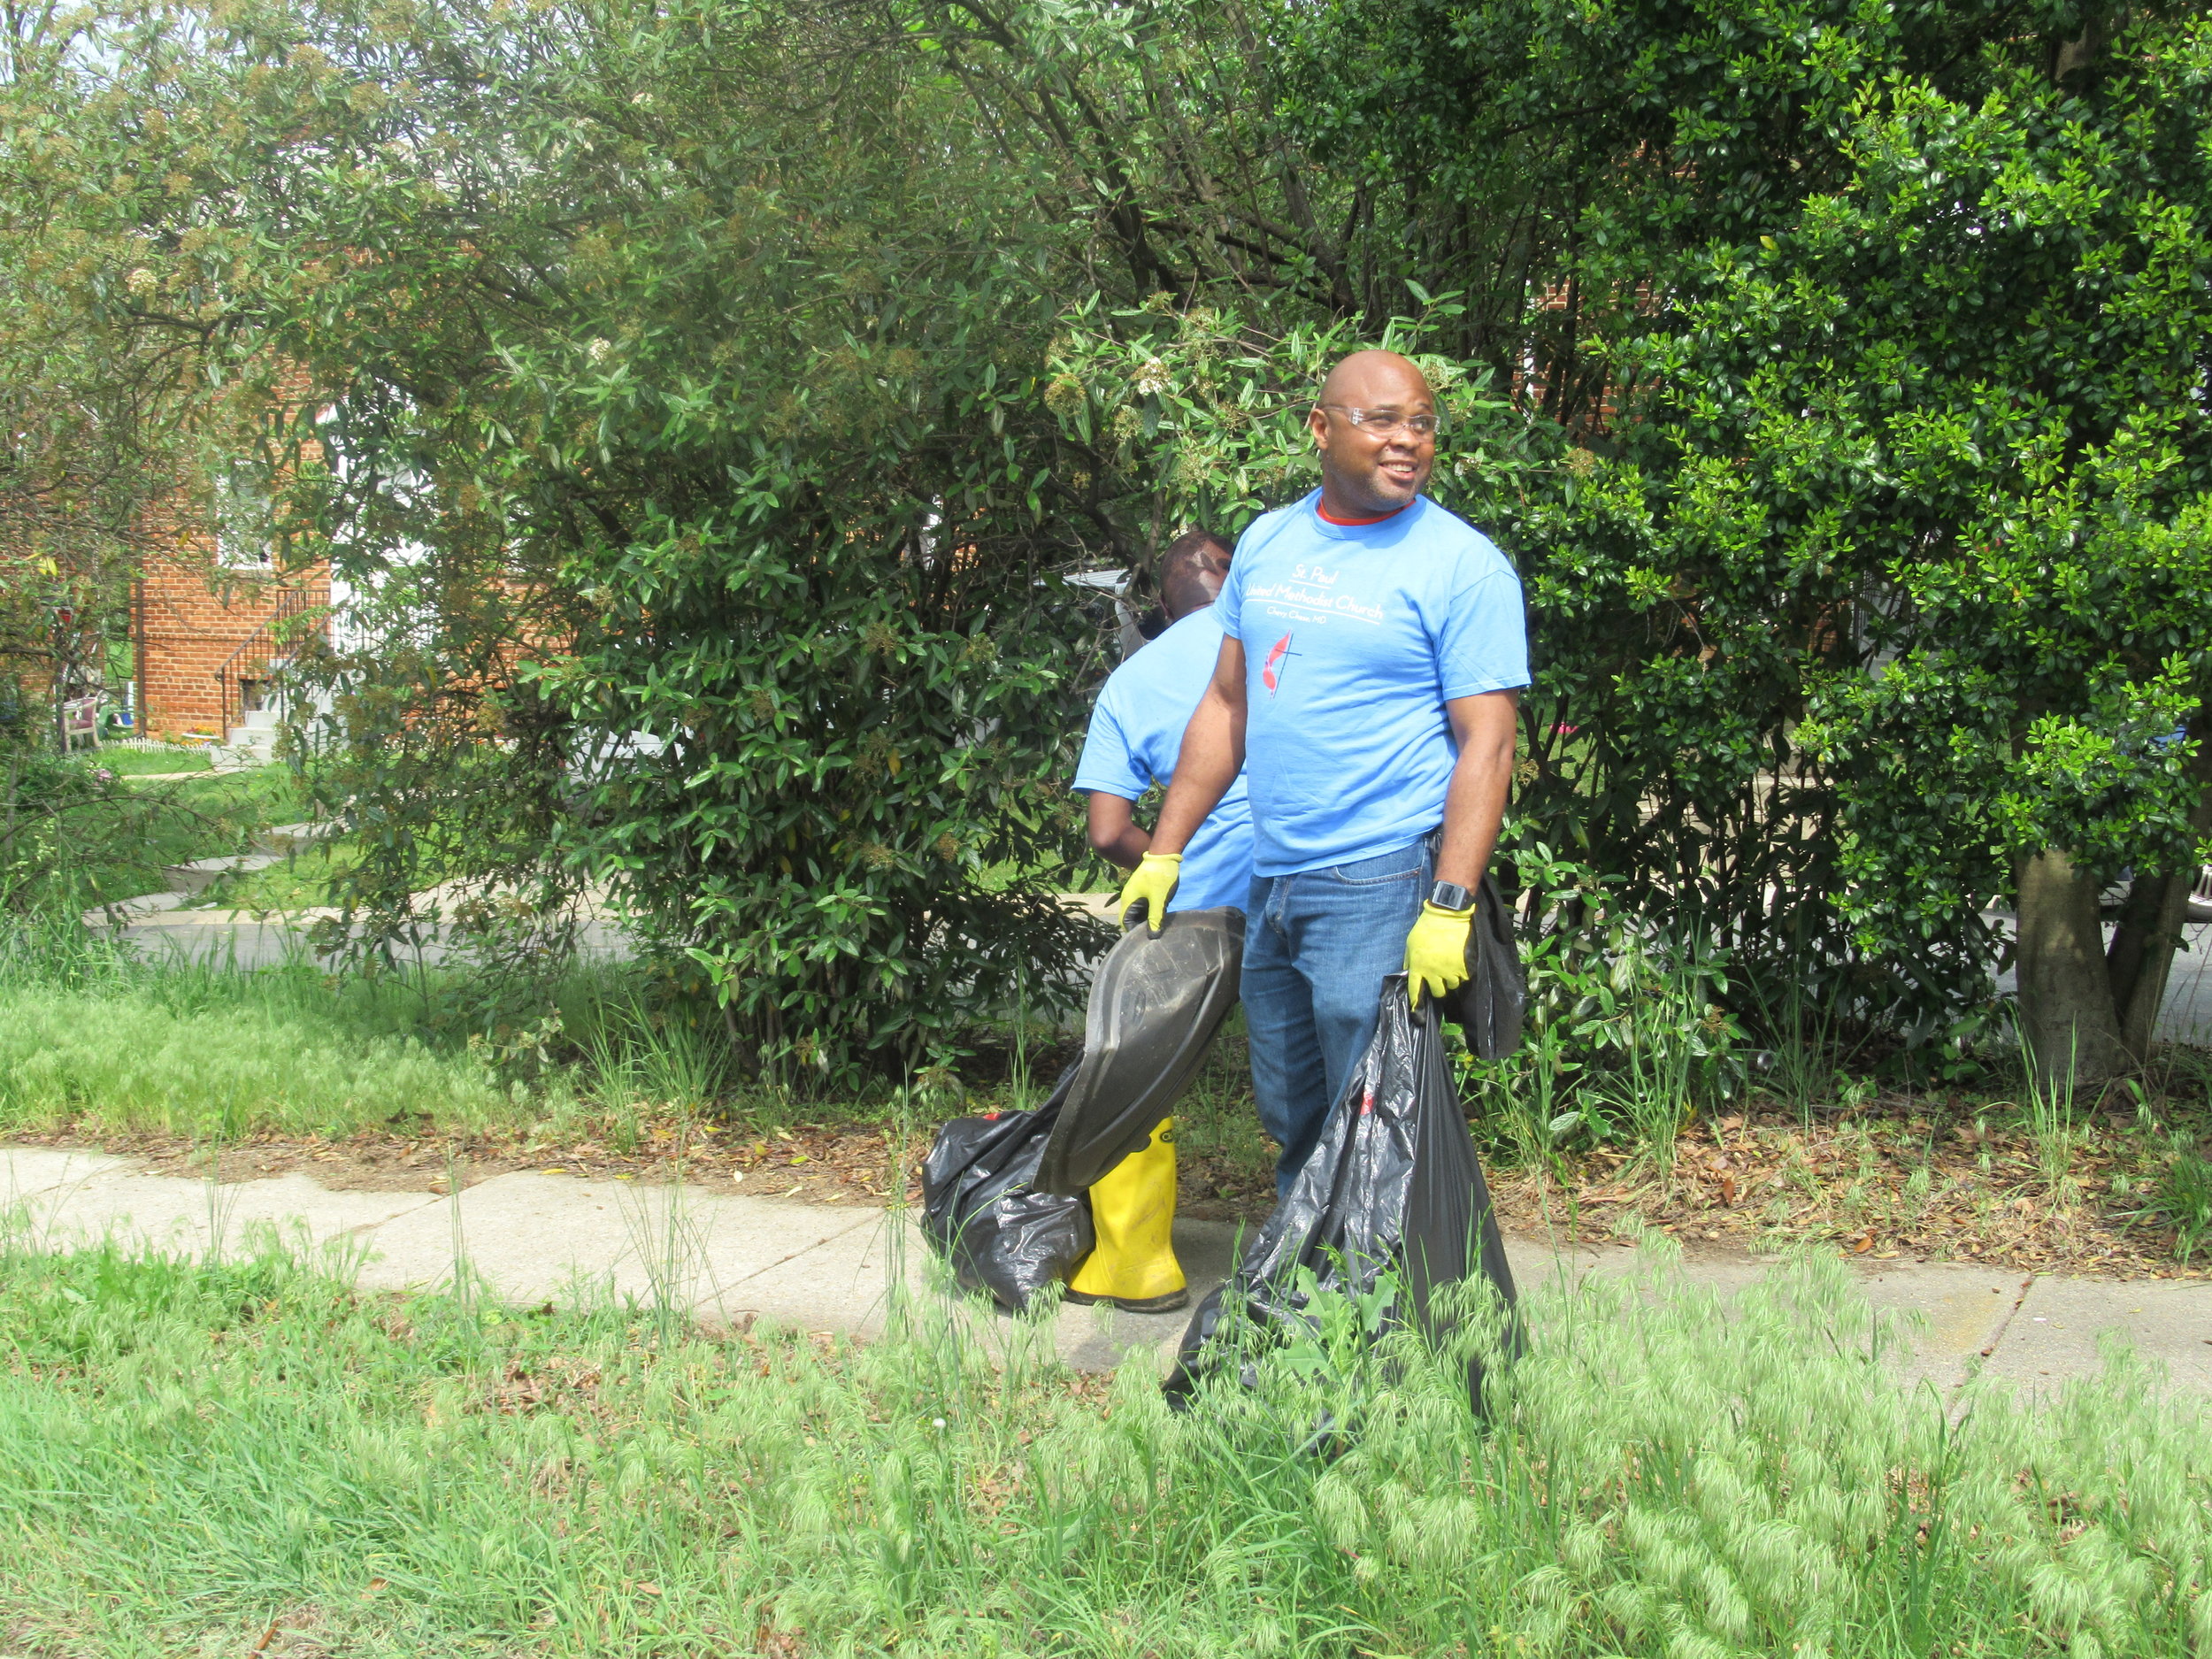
column 1370, row 379
column 1373, row 463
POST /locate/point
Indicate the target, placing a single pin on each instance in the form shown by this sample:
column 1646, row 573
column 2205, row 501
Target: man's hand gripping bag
column 1393, row 1185
column 980, row 1210
column 1490, row 1005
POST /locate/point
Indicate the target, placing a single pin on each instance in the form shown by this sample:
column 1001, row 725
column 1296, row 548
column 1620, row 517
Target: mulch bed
column 813, row 1164
column 1942, row 1187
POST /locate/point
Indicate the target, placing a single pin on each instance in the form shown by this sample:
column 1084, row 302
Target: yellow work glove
column 1436, row 951
column 1151, row 884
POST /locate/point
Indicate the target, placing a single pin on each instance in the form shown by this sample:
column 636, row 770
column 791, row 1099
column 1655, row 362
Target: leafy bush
column 1847, row 598
column 1628, row 1031
column 688, row 471
column 1811, row 731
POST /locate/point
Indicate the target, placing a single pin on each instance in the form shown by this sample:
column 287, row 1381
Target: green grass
column 111, row 841
column 230, row 806
column 92, row 1035
column 136, row 1062
column 250, row 1458
column 127, row 762
column 199, row 1050
column 303, row 880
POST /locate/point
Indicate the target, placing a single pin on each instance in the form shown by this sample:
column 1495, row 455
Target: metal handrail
column 251, row 659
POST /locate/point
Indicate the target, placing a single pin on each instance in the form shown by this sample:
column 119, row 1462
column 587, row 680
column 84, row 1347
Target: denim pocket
column 1405, row 864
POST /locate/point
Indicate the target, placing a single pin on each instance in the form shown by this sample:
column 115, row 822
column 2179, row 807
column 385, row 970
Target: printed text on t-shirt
column 1311, row 600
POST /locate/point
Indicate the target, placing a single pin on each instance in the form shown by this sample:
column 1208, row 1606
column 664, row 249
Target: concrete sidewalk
column 536, row 1236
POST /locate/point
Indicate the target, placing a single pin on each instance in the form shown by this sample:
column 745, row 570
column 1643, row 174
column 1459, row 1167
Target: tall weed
column 2053, row 1118
column 644, row 1063
column 2182, row 1197
column 1627, row 1032
column 89, row 1032
column 223, row 1447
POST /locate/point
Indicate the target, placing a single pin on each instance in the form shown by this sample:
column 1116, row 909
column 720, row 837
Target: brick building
column 213, row 627
column 210, row 642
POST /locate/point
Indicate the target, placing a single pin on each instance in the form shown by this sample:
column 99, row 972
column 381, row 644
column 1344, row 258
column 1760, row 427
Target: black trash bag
column 980, row 1212
column 1156, row 1003
column 1393, row 1185
column 1489, row 1005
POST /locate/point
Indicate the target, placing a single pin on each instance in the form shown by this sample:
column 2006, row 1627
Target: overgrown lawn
column 197, row 1051
column 250, row 1458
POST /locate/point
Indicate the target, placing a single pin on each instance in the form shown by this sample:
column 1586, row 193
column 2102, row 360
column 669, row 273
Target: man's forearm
column 1474, row 811
column 1474, row 804
column 1115, row 836
column 1212, row 756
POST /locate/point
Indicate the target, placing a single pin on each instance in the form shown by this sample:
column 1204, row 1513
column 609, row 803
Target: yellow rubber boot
column 1132, row 1208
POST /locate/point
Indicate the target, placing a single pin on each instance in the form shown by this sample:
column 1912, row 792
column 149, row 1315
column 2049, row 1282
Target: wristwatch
column 1449, row 895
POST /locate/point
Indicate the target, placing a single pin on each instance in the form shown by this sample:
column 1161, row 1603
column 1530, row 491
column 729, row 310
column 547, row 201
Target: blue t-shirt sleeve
column 1483, row 642
column 1230, row 602
column 1108, row 764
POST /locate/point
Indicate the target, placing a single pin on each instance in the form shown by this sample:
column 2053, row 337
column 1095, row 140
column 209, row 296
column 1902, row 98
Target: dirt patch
column 1223, row 1189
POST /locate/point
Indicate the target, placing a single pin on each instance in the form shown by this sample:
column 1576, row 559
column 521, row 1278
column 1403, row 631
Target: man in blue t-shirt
column 1367, row 691
column 1136, row 730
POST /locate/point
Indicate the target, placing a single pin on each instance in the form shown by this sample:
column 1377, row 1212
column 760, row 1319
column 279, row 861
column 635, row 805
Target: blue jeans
column 1317, row 946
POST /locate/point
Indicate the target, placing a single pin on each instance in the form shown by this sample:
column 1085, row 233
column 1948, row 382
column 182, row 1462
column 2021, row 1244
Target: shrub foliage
column 704, row 405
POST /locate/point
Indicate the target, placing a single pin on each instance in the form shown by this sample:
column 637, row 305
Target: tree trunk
column 2141, row 958
column 2066, row 1007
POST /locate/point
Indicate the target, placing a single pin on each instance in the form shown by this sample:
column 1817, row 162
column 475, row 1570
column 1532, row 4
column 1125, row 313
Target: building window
column 245, row 520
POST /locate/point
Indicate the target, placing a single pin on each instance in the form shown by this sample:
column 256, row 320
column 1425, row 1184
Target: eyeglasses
column 1388, row 422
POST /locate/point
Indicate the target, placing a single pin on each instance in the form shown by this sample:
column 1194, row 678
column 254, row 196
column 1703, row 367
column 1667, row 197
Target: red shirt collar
column 1329, row 518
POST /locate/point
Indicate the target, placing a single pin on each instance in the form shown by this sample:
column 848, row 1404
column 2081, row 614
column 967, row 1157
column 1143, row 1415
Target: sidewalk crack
column 362, row 1229
column 2005, row 1324
column 804, row 1249
column 1996, row 1341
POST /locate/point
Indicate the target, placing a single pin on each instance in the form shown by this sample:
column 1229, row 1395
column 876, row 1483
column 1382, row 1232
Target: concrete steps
column 293, row 838
column 203, row 873
column 254, row 742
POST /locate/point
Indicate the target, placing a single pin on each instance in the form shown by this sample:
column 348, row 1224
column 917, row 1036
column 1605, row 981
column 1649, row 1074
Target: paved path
column 246, row 940
column 533, row 1236
column 160, row 927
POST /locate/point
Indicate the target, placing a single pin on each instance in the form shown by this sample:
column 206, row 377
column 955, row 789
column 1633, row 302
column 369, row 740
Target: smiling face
column 1363, row 472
